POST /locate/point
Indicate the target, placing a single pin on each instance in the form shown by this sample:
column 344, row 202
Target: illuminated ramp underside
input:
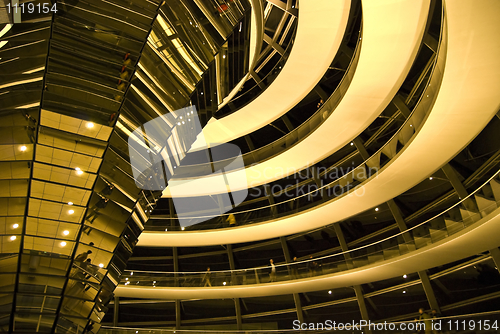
column 321, row 27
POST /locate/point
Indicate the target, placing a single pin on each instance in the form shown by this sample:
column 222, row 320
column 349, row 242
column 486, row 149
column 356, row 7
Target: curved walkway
column 383, row 55
column 466, row 102
column 320, row 30
column 478, row 237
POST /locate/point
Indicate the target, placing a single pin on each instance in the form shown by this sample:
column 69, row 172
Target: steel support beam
column 429, row 292
column 401, row 105
column 287, row 122
column 284, row 7
column 171, row 210
column 175, row 256
column 362, row 305
column 398, row 217
column 431, row 42
column 286, row 251
column 298, row 305
column 177, row 314
column 322, row 94
column 357, row 288
column 270, row 198
column 116, row 310
column 361, row 148
column 452, row 176
column 317, row 180
column 296, row 296
column 239, row 319
column 232, row 266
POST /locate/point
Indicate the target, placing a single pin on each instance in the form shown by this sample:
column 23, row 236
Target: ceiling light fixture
column 63, row 243
column 23, row 148
column 70, row 203
column 15, row 225
column 71, row 212
column 65, row 232
column 90, row 125
column 101, row 265
column 12, row 238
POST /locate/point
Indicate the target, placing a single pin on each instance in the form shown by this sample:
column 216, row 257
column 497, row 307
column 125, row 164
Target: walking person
column 312, row 266
column 231, row 220
column 435, row 319
column 425, row 320
column 294, row 268
column 206, row 277
column 272, row 275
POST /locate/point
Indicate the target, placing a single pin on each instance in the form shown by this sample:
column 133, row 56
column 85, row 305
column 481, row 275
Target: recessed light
column 131, row 273
column 404, row 276
column 79, row 172
column 126, row 278
column 329, row 292
column 352, row 144
column 63, row 243
column 223, row 283
column 77, row 168
column 430, row 178
column 182, row 228
column 101, row 265
column 65, row 232
column 90, row 125
column 23, row 148
column 376, row 209
column 166, row 229
column 71, row 212
column 70, row 203
column 15, row 225
column 12, row 238
column 404, row 291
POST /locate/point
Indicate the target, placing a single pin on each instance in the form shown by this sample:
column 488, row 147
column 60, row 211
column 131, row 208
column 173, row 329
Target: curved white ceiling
column 392, row 33
column 467, row 100
column 479, row 237
column 320, row 30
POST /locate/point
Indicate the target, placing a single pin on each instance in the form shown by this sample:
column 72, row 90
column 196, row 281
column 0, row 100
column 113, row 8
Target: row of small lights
column 404, row 291
column 63, row 243
column 89, row 125
column 79, row 171
column 182, row 228
column 189, row 119
column 224, row 283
